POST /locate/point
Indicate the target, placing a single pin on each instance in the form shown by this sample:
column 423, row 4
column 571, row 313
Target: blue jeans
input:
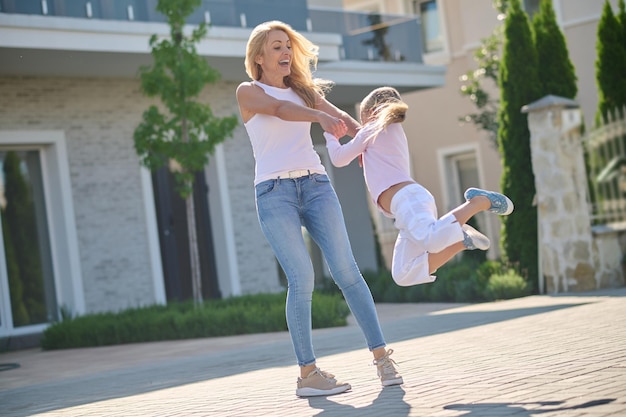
column 283, row 207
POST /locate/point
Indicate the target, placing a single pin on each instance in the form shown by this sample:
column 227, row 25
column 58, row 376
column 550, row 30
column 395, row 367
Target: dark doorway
column 174, row 241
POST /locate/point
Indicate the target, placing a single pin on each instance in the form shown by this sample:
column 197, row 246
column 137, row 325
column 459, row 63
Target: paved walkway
column 536, row 356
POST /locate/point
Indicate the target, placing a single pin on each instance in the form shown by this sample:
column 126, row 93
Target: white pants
column 421, row 233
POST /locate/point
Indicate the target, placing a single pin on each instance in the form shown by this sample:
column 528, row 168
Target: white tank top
column 279, row 145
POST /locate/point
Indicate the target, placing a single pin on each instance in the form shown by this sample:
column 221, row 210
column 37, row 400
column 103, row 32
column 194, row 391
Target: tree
column 621, row 17
column 518, row 83
column 182, row 136
column 556, row 71
column 610, row 62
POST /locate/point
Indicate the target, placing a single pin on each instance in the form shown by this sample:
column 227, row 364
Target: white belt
column 296, row 173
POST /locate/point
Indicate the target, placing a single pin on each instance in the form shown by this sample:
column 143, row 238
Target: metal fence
column 606, row 162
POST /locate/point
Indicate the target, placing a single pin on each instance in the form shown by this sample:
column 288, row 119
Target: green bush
column 506, row 285
column 237, row 315
column 463, row 280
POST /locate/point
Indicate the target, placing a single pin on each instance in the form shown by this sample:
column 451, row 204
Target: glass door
column 27, row 289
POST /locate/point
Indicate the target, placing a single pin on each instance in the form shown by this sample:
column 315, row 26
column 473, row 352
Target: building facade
column 448, row 155
column 85, row 228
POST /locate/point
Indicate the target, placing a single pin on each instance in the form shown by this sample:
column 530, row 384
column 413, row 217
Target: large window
column 27, row 272
column 39, row 262
column 428, row 11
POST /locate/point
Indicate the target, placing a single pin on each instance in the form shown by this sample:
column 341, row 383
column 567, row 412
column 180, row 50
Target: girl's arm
column 341, row 155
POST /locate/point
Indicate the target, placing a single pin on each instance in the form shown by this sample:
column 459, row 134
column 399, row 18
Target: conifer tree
column 621, row 17
column 519, row 85
column 556, row 71
column 182, row 136
column 610, row 63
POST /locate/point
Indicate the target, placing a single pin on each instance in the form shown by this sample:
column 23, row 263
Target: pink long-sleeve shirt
column 385, row 157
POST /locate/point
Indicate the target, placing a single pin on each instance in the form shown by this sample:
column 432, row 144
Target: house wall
column 98, row 117
column 433, row 125
column 258, row 268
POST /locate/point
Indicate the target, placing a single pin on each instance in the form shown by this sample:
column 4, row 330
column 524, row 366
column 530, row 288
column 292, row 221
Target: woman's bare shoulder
column 246, row 85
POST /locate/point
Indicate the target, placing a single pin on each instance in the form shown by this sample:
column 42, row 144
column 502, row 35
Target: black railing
column 366, row 36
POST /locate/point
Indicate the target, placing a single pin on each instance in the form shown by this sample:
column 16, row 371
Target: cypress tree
column 621, row 17
column 610, row 64
column 556, row 71
column 519, row 85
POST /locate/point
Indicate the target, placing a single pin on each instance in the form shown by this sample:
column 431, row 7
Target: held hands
column 333, row 125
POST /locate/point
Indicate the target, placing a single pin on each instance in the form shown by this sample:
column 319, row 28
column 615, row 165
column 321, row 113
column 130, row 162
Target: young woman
column 424, row 241
column 293, row 190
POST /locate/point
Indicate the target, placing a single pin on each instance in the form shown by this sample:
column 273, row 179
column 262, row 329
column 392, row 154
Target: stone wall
column 572, row 256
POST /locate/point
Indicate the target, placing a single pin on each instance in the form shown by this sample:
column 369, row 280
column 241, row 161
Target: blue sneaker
column 500, row 204
column 473, row 239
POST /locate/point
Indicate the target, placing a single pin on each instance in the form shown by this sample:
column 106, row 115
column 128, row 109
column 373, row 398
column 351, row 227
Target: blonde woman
column 292, row 189
column 424, row 241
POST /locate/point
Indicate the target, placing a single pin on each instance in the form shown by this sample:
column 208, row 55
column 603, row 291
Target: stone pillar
column 566, row 250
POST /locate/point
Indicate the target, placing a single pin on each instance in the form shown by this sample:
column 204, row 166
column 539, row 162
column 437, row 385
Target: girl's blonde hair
column 383, row 106
column 304, row 61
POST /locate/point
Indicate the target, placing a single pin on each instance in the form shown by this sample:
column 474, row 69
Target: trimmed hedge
column 259, row 313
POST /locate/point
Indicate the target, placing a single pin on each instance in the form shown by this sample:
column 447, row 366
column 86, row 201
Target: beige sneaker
column 319, row 382
column 387, row 371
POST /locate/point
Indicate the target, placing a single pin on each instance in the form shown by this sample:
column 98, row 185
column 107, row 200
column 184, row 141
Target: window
column 461, row 173
column 25, row 239
column 431, row 30
column 39, row 265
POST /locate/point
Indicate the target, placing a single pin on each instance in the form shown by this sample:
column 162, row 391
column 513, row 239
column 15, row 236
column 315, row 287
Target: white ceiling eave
column 354, row 79
column 371, row 73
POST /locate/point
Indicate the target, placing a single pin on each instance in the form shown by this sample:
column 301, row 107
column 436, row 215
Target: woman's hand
column 333, row 125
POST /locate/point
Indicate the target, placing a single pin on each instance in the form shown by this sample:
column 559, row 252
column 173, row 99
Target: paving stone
column 548, row 355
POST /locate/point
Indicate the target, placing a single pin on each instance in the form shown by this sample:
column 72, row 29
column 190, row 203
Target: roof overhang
column 354, row 79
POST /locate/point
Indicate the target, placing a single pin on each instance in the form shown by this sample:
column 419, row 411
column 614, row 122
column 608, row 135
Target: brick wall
column 98, row 117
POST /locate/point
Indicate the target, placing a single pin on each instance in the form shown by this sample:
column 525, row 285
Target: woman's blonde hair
column 383, row 106
column 304, row 61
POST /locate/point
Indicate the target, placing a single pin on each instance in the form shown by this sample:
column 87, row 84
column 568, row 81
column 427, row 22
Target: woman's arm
column 253, row 100
column 327, row 107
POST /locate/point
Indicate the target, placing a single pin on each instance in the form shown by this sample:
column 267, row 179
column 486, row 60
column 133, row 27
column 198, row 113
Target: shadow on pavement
column 429, row 325
column 388, row 403
column 519, row 409
column 136, row 380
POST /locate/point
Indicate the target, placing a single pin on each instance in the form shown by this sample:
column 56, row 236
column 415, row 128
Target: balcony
column 109, row 38
column 367, row 37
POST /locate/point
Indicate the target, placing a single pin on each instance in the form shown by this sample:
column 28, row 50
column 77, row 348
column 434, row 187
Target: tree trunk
column 194, row 256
